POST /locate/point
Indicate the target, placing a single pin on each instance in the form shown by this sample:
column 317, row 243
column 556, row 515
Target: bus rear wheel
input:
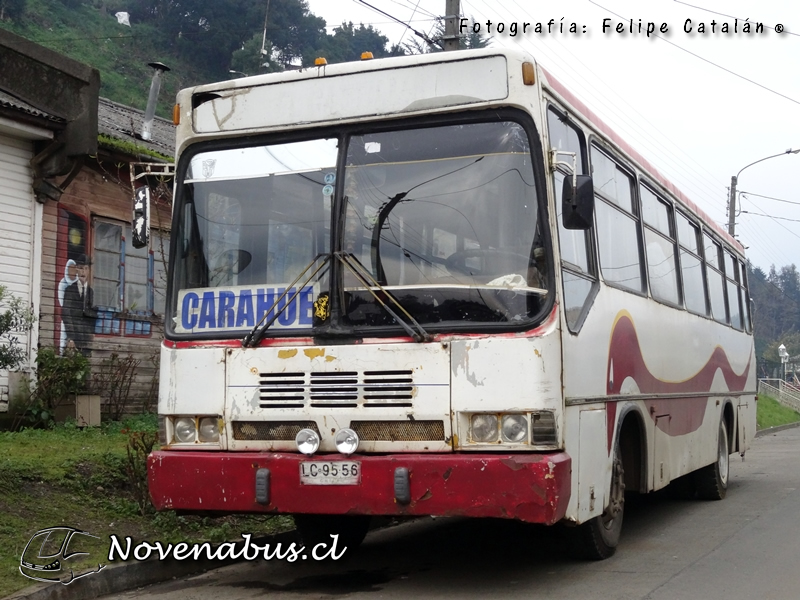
column 712, row 480
column 597, row 539
column 318, row 529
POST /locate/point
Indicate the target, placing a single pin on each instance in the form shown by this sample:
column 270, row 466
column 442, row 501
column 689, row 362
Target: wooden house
column 100, row 295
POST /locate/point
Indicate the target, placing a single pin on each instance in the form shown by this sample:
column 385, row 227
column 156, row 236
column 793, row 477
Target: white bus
column 439, row 285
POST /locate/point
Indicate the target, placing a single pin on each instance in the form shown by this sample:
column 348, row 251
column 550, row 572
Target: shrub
column 15, row 319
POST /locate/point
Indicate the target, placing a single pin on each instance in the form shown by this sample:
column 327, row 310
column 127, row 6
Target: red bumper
column 529, row 487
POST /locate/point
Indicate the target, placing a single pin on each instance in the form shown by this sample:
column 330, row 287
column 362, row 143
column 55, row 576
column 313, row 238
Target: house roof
column 125, row 123
column 14, row 103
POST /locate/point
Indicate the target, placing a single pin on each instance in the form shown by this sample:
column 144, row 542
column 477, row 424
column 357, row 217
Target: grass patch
column 771, row 413
column 79, row 478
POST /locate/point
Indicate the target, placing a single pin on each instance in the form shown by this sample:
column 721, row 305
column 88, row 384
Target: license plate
column 330, row 473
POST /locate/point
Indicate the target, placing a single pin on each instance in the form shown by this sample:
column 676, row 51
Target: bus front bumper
column 529, row 487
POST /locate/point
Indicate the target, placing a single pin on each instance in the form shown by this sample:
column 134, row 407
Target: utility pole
column 732, row 206
column 452, row 14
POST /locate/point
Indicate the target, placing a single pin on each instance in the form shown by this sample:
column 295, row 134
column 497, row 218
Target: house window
column 127, row 279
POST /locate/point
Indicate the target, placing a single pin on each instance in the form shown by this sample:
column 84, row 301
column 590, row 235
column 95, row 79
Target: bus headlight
column 514, row 429
column 346, row 441
column 483, row 428
column 307, row 441
column 196, row 430
column 185, row 430
column 209, row 430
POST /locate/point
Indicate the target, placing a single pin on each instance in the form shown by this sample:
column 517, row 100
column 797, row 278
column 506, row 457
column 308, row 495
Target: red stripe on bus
column 625, row 360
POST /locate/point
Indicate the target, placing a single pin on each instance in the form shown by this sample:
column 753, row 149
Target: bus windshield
column 315, row 234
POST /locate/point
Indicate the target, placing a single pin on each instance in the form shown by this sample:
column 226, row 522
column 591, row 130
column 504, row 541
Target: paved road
column 746, row 546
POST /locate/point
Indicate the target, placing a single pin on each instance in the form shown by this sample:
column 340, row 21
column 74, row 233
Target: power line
column 704, row 59
column 424, row 37
column 750, row 212
column 767, row 197
column 713, row 12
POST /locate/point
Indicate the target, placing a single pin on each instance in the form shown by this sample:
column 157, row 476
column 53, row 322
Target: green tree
column 12, row 10
column 348, row 43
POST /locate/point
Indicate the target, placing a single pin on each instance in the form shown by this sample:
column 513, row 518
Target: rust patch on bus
column 287, row 353
column 313, row 353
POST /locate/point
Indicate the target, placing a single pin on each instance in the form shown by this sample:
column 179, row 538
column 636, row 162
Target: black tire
column 712, row 480
column 318, row 529
column 597, row 539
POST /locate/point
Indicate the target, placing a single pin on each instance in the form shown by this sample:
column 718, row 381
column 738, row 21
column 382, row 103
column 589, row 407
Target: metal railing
column 785, row 393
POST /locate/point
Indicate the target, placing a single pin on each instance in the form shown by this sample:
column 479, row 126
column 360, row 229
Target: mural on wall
column 75, row 316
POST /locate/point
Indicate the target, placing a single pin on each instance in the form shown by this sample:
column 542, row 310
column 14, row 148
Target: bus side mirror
column 577, row 203
column 141, row 217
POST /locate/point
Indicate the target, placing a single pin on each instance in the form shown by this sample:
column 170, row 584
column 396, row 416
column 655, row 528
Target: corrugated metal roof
column 9, row 101
column 125, row 123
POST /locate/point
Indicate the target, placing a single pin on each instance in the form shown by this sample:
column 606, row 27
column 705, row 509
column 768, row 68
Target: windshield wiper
column 254, row 337
column 388, row 207
column 367, row 281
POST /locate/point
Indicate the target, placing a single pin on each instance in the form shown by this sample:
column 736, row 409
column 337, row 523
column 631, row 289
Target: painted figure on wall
column 70, row 277
column 78, row 315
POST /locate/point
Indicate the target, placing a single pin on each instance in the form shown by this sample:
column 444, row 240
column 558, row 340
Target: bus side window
column 716, row 279
column 694, row 289
column 744, row 293
column 660, row 247
column 617, row 223
column 734, row 301
column 577, row 268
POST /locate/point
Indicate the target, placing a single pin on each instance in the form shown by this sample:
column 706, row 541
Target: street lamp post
column 735, row 180
column 784, row 359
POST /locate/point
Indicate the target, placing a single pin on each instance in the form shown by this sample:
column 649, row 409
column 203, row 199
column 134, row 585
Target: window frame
column 698, row 254
column 596, row 142
column 707, row 233
column 148, row 314
column 591, row 274
column 673, row 240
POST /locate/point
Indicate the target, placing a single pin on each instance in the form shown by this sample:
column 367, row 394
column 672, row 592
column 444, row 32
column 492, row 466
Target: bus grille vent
column 399, row 431
column 392, row 388
column 282, row 390
column 339, row 389
column 334, row 390
column 283, row 431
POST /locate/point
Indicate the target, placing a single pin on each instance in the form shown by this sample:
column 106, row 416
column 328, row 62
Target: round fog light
column 184, row 430
column 346, row 441
column 484, row 428
column 307, row 441
column 514, row 429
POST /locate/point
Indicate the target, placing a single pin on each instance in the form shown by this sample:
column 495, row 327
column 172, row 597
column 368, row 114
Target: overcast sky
column 683, row 100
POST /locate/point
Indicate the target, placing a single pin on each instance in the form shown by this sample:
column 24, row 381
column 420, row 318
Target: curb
column 776, row 429
column 134, row 574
